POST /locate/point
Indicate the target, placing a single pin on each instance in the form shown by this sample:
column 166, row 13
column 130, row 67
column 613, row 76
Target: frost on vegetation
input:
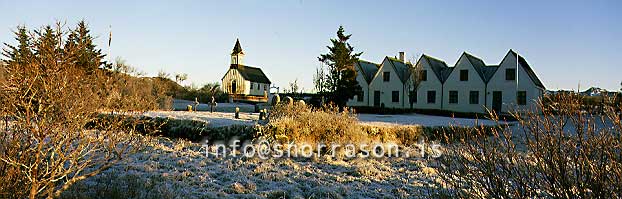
column 173, row 168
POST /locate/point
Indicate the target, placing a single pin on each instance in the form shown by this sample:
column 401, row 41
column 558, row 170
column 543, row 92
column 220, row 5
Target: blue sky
column 566, row 42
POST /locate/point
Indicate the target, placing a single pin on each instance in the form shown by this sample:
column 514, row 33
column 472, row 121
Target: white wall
column 386, row 88
column 364, row 87
column 258, row 88
column 474, row 83
column 241, row 84
column 509, row 87
column 432, row 83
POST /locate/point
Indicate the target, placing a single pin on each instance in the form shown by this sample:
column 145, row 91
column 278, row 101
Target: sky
column 570, row 44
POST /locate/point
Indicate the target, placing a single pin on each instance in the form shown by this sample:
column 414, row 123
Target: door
column 233, row 87
column 497, row 97
column 376, row 98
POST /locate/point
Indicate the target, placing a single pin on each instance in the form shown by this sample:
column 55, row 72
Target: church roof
column 237, row 48
column 253, row 74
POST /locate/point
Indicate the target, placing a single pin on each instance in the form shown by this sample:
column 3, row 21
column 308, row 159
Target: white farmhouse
column 390, row 85
column 429, row 92
column 243, row 82
column 514, row 86
column 470, row 86
column 466, row 86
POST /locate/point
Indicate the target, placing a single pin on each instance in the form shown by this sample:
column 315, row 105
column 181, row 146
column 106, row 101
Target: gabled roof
column 532, row 75
column 368, row 69
column 484, row 72
column 489, row 71
column 402, row 69
column 237, row 48
column 252, row 74
column 439, row 67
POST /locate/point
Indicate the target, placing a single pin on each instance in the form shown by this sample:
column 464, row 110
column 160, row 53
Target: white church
column 243, row 82
column 470, row 86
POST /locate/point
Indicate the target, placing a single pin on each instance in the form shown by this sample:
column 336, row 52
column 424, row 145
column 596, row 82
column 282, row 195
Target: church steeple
column 237, row 55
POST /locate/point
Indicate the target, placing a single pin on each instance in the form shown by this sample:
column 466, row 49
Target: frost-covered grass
column 180, row 169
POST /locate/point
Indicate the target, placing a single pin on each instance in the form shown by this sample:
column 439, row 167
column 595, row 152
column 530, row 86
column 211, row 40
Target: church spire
column 237, row 55
column 237, row 48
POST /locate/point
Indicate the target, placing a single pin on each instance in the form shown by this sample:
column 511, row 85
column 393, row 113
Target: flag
column 110, row 37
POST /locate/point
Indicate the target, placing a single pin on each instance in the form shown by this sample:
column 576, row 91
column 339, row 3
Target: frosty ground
column 224, row 116
column 181, row 169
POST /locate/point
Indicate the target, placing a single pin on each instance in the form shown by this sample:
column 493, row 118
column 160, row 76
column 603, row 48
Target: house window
column 265, row 87
column 252, row 85
column 464, row 75
column 431, row 97
column 360, row 96
column 510, row 74
column 424, row 75
column 474, row 97
column 386, row 76
column 453, row 97
column 521, row 97
column 395, row 96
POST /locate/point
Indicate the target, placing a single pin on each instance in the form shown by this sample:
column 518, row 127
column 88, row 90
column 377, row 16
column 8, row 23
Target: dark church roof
column 253, row 74
column 237, row 48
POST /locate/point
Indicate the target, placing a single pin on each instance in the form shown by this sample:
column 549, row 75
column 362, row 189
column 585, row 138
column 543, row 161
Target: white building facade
column 470, row 86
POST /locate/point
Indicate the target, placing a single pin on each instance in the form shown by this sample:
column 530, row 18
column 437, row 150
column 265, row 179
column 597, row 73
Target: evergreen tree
column 87, row 55
column 340, row 83
column 22, row 52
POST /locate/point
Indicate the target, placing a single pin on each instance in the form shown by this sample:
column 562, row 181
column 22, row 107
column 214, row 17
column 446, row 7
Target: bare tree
column 415, row 78
column 163, row 74
column 293, row 87
column 319, row 79
column 180, row 77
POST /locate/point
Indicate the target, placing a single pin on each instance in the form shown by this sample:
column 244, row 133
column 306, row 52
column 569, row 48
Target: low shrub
column 300, row 123
column 191, row 130
column 556, row 151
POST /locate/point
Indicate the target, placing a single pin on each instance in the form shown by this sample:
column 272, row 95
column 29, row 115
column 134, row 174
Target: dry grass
column 299, row 123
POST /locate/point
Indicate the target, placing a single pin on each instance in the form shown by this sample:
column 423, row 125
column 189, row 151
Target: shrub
column 299, row 123
column 54, row 90
column 557, row 151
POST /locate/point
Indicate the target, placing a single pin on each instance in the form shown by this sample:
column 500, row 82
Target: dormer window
column 386, row 76
column 510, row 74
column 464, row 75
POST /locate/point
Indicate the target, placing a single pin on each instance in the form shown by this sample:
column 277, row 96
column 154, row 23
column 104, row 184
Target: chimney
column 401, row 56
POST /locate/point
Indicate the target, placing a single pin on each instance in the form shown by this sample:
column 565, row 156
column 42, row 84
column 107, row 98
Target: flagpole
column 516, row 71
